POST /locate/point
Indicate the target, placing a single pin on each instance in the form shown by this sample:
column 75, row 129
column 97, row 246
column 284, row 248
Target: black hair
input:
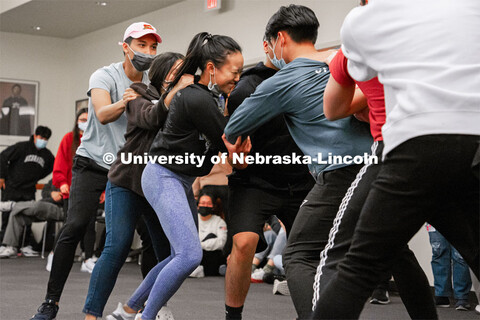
column 160, row 68
column 203, row 48
column 76, row 132
column 299, row 22
column 363, row 2
column 17, row 85
column 44, row 132
column 128, row 40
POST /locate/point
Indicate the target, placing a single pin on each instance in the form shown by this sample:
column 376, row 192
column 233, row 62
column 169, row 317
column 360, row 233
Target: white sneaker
column 477, row 309
column 29, row 252
column 138, row 316
column 8, row 252
column 197, row 273
column 2, row 248
column 257, row 276
column 121, row 314
column 6, row 205
column 94, row 258
column 281, row 287
column 87, row 266
column 49, row 262
column 165, row 314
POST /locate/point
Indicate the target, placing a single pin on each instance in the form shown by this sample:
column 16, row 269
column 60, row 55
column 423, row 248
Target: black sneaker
column 442, row 302
column 47, row 311
column 380, row 296
column 462, row 305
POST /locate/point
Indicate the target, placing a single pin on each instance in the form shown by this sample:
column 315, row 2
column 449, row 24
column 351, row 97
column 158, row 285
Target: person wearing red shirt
column 343, row 96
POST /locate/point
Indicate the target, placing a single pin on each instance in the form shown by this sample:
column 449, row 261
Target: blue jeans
column 171, row 196
column 123, row 208
column 447, row 262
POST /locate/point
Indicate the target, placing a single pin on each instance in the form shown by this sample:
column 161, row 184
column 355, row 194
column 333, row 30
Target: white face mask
column 279, row 63
column 82, row 126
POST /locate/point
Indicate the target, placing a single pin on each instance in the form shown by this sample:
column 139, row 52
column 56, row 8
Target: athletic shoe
column 49, row 262
column 477, row 309
column 121, row 314
column 47, row 311
column 29, row 252
column 197, row 273
column 2, row 248
column 164, row 314
column 281, row 287
column 222, row 270
column 380, row 296
column 462, row 305
column 257, row 276
column 8, row 252
column 87, row 266
column 6, row 205
column 442, row 302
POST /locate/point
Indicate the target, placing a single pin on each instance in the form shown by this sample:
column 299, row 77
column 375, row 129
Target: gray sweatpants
column 26, row 212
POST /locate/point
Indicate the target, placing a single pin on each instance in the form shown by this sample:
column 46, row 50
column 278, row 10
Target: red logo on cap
column 147, row 26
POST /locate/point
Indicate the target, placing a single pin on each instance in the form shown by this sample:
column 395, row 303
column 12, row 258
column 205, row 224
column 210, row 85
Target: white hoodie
column 427, row 55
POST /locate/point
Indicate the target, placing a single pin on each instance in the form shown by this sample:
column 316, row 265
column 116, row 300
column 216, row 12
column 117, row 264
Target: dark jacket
column 22, row 165
column 47, row 190
column 194, row 125
column 145, row 116
column 272, row 138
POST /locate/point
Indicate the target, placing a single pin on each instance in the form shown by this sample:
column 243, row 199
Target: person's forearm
column 111, row 112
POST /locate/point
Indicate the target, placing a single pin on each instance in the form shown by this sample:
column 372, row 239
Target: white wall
column 63, row 67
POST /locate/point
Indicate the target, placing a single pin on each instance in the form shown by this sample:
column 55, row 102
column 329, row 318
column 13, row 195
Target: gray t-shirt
column 100, row 139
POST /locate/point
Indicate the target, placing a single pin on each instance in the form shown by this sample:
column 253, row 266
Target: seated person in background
column 25, row 212
column 447, row 266
column 216, row 184
column 212, row 231
column 276, row 238
column 21, row 166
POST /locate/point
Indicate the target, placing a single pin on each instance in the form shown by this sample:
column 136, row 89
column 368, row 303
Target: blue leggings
column 170, row 195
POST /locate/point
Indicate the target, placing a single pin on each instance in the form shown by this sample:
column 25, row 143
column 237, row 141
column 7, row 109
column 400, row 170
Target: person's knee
column 244, row 245
column 193, row 258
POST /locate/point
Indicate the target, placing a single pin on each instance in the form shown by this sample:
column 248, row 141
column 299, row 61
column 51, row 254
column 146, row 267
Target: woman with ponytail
column 192, row 131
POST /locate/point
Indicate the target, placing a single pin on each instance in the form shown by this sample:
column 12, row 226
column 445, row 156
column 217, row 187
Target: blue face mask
column 82, row 126
column 41, row 143
column 279, row 63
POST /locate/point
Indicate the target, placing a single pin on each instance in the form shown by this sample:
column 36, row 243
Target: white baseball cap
column 139, row 29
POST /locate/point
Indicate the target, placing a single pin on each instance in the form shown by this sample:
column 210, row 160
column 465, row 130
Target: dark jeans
column 88, row 183
column 309, row 234
column 411, row 281
column 428, row 178
column 123, row 208
column 148, row 257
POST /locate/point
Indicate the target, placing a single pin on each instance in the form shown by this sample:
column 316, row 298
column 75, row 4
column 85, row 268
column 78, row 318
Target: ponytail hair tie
column 207, row 38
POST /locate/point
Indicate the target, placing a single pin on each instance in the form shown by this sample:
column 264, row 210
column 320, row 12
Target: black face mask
column 205, row 211
column 141, row 61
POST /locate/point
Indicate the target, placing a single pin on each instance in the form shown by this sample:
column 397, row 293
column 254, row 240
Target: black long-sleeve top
column 22, row 165
column 194, row 125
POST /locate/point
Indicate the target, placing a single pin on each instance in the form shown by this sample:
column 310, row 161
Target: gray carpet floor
column 23, row 283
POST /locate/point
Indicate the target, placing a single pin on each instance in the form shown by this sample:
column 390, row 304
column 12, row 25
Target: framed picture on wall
column 80, row 104
column 18, row 110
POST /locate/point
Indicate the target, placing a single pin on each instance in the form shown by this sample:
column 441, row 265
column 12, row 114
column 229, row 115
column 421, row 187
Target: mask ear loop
column 210, row 84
